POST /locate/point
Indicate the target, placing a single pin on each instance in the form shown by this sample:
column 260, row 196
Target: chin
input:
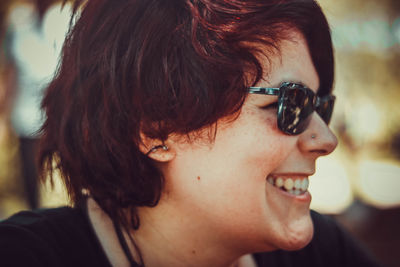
column 297, row 238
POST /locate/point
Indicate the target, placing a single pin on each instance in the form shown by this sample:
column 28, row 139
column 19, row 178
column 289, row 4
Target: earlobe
column 161, row 153
column 156, row 149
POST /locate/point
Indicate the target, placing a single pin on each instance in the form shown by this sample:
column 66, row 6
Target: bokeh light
column 379, row 183
column 330, row 187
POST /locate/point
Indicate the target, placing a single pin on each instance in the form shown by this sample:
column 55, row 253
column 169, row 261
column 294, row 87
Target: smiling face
column 222, row 188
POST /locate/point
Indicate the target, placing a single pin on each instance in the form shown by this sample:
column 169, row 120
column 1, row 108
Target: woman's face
column 223, row 186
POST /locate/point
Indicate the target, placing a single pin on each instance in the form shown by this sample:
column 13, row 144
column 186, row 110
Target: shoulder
column 29, row 236
column 330, row 246
column 46, row 223
column 37, row 220
column 48, row 237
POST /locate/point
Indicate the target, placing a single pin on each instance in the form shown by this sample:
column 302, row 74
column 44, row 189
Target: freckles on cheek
column 277, row 149
column 272, row 125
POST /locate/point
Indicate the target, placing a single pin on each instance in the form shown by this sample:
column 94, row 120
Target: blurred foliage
column 11, row 189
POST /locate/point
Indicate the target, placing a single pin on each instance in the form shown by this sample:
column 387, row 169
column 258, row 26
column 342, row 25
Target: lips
column 295, row 185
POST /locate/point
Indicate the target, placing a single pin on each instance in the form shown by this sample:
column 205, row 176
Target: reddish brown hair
column 160, row 67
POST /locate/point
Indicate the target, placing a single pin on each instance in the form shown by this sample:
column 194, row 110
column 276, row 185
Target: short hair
column 158, row 67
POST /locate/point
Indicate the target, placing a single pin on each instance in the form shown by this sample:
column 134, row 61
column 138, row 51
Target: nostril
column 320, row 151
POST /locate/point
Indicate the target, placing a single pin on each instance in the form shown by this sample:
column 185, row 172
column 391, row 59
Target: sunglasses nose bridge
column 316, row 102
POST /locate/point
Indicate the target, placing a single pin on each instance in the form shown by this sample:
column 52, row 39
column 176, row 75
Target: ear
column 156, row 149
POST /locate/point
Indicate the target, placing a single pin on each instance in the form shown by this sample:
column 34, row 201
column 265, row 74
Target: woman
column 185, row 133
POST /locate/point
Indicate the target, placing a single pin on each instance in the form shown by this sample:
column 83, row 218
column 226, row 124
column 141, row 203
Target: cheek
column 235, row 166
column 250, row 149
column 272, row 124
column 271, row 147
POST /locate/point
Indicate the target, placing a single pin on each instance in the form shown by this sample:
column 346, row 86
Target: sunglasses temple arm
column 264, row 90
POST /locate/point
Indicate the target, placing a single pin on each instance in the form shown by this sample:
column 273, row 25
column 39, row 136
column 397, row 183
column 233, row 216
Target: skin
column 217, row 205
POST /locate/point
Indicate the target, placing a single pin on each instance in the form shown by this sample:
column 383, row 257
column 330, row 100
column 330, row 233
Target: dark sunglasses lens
column 295, row 107
column 325, row 108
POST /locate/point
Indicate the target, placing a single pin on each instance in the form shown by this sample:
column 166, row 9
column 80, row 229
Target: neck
column 167, row 239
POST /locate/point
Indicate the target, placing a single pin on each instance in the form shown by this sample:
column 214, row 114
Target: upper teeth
column 300, row 184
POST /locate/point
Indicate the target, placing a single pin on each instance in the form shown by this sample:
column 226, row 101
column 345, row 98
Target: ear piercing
column 154, row 148
column 313, row 136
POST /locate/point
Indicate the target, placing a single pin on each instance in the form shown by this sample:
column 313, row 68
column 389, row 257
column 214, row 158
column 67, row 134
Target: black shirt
column 64, row 237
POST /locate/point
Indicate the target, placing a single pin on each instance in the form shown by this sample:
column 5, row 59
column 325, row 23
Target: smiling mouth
column 293, row 185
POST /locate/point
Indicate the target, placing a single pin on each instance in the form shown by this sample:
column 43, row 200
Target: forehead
column 292, row 63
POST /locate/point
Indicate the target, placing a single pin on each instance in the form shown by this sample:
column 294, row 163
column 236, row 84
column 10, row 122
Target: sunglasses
column 295, row 105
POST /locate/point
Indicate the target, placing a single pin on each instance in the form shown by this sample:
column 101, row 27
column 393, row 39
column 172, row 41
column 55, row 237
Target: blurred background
column 357, row 184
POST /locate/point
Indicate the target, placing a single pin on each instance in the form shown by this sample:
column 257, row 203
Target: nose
column 317, row 139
